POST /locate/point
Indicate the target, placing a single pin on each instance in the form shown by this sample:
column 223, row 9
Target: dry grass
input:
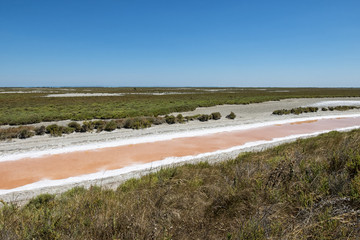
column 309, row 189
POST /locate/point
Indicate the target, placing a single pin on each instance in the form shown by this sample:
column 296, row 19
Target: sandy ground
column 246, row 114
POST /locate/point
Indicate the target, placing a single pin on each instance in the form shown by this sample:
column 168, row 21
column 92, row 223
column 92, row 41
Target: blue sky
column 180, row 43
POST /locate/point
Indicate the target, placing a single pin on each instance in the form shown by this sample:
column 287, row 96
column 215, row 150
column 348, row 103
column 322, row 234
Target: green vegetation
column 26, row 108
column 296, row 111
column 55, row 130
column 340, row 108
column 170, row 119
column 300, row 110
column 76, row 126
column 215, row 115
column 309, row 189
column 204, row 117
column 231, row 116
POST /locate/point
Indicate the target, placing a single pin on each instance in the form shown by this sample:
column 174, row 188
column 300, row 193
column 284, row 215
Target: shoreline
column 120, row 175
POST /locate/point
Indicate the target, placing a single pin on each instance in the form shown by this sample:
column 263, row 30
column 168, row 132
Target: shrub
column 296, row 111
column 215, row 115
column 137, row 123
column 110, row 126
column 76, row 126
column 324, row 109
column 232, row 116
column 87, row 126
column 54, row 130
column 67, row 130
column 204, row 118
column 170, row 119
column 16, row 132
column 40, row 130
column 25, row 133
column 41, row 200
column 180, row 118
column 99, row 125
column 192, row 118
column 119, row 123
column 159, row 120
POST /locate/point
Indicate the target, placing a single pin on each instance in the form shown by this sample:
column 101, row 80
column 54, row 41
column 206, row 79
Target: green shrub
column 192, row 118
column 203, row 118
column 180, row 118
column 87, row 126
column 215, row 115
column 159, row 120
column 41, row 200
column 76, row 126
column 67, row 130
column 119, row 123
column 99, row 125
column 137, row 123
column 231, row 116
column 25, row 133
column 170, row 119
column 16, row 132
column 40, row 130
column 110, row 126
column 54, row 130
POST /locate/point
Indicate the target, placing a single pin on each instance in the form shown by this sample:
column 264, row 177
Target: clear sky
column 314, row 43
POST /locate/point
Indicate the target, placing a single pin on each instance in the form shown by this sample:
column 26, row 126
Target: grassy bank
column 309, row 189
column 33, row 107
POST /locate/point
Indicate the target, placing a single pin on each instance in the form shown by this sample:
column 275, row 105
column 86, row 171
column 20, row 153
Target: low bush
column 25, row 133
column 137, row 123
column 67, row 130
column 76, row 126
column 87, row 126
column 192, row 118
column 119, row 123
column 99, row 125
column 159, row 120
column 231, row 116
column 16, row 132
column 54, row 130
column 204, row 117
column 40, row 130
column 180, row 118
column 170, row 119
column 215, row 115
column 110, row 126
column 296, row 111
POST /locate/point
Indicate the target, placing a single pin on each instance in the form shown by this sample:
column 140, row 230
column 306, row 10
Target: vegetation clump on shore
column 296, row 111
column 301, row 110
column 56, row 130
column 308, row 189
column 232, row 115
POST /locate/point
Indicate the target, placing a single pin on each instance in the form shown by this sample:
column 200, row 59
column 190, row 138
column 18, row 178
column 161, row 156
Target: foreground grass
column 33, row 107
column 309, row 189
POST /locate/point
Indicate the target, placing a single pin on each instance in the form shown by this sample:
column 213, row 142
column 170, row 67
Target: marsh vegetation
column 301, row 110
column 20, row 106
